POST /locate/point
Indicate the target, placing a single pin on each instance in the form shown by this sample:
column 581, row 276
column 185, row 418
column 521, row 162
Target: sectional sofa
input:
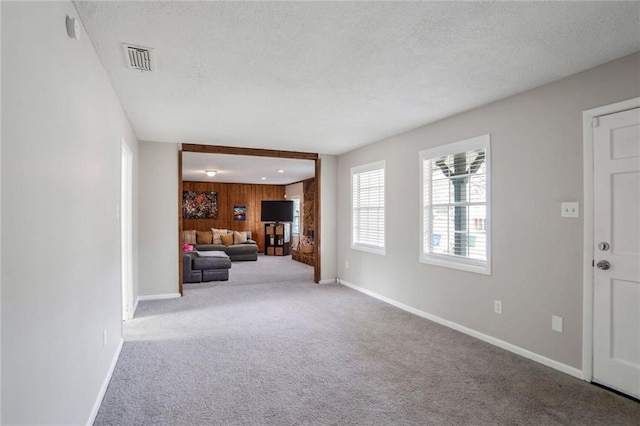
column 238, row 245
column 208, row 258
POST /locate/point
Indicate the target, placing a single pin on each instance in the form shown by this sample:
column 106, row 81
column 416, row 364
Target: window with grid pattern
column 455, row 205
column 368, row 207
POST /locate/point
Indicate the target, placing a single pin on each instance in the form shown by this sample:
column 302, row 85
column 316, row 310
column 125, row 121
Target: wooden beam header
column 256, row 152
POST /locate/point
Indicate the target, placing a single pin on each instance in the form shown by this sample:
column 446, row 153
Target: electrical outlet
column 557, row 323
column 497, row 306
column 346, row 264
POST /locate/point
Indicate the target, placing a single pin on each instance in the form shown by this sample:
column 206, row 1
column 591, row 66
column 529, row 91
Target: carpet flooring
column 269, row 347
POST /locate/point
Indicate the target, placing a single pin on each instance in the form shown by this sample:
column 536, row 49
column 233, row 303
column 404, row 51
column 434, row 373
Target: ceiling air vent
column 139, row 58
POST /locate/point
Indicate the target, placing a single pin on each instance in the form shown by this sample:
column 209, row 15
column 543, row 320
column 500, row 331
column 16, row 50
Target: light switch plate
column 557, row 323
column 570, row 209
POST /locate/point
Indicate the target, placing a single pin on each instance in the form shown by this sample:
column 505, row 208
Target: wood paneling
column 230, row 195
column 308, row 220
column 309, row 194
column 317, row 258
column 180, row 270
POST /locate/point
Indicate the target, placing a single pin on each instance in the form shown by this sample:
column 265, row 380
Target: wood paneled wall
column 309, row 194
column 230, row 195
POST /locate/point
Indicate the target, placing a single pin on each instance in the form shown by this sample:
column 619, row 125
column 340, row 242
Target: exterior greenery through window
column 455, row 205
column 368, row 207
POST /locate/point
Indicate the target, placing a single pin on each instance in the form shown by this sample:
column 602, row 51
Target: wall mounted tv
column 277, row 211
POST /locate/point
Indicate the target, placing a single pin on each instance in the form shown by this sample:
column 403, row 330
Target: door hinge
column 595, row 122
column 593, row 263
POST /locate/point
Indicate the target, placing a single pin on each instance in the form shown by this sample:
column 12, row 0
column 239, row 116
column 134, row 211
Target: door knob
column 603, row 264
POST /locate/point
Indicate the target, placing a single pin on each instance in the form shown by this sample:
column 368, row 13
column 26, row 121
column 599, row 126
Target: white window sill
column 370, row 249
column 452, row 263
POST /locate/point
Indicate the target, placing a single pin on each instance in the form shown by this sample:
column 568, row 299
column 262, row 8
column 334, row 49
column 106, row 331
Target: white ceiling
column 328, row 77
column 245, row 169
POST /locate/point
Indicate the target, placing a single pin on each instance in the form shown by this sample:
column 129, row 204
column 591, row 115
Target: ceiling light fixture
column 211, row 173
column 280, row 171
column 263, row 178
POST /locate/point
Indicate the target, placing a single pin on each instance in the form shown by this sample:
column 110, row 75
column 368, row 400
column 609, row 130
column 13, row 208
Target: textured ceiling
column 328, row 77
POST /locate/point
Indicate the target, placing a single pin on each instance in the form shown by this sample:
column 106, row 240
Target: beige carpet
column 269, row 347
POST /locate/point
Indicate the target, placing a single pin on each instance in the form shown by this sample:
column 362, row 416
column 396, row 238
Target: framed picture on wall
column 239, row 213
column 199, row 205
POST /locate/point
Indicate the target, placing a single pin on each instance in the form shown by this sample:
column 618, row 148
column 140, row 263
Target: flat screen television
column 277, row 211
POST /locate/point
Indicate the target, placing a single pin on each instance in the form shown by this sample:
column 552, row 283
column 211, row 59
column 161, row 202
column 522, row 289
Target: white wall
column 61, row 136
column 536, row 153
column 328, row 217
column 158, row 203
column 0, row 234
column 135, row 205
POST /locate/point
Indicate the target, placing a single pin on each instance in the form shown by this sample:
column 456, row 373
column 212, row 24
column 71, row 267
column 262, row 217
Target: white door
column 616, row 310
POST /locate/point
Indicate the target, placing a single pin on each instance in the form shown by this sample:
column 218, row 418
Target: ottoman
column 242, row 252
column 205, row 266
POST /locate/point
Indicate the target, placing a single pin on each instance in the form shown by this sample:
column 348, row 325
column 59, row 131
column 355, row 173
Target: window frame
column 297, row 218
column 362, row 169
column 462, row 263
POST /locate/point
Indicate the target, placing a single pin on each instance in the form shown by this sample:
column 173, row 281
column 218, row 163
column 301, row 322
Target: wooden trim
column 180, row 277
column 256, row 152
column 317, row 238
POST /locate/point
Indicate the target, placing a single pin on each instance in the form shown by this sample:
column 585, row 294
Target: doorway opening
column 248, row 155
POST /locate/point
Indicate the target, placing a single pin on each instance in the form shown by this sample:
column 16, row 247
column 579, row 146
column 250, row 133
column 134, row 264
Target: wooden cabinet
column 277, row 239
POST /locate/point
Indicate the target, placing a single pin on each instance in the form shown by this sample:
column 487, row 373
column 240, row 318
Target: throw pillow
column 189, row 237
column 239, row 237
column 216, row 235
column 204, row 237
column 227, row 239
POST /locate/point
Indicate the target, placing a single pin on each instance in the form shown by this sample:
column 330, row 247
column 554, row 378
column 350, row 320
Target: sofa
column 197, row 268
column 238, row 245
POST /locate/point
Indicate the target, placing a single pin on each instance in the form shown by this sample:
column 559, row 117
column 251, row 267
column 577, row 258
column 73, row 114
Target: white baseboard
column 572, row 371
column 105, row 384
column 329, row 281
column 159, row 296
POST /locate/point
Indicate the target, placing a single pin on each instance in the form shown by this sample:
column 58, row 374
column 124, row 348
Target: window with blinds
column 295, row 226
column 368, row 208
column 455, row 205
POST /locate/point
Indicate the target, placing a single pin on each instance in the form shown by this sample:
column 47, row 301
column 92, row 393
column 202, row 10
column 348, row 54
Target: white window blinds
column 295, row 227
column 455, row 199
column 368, row 208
